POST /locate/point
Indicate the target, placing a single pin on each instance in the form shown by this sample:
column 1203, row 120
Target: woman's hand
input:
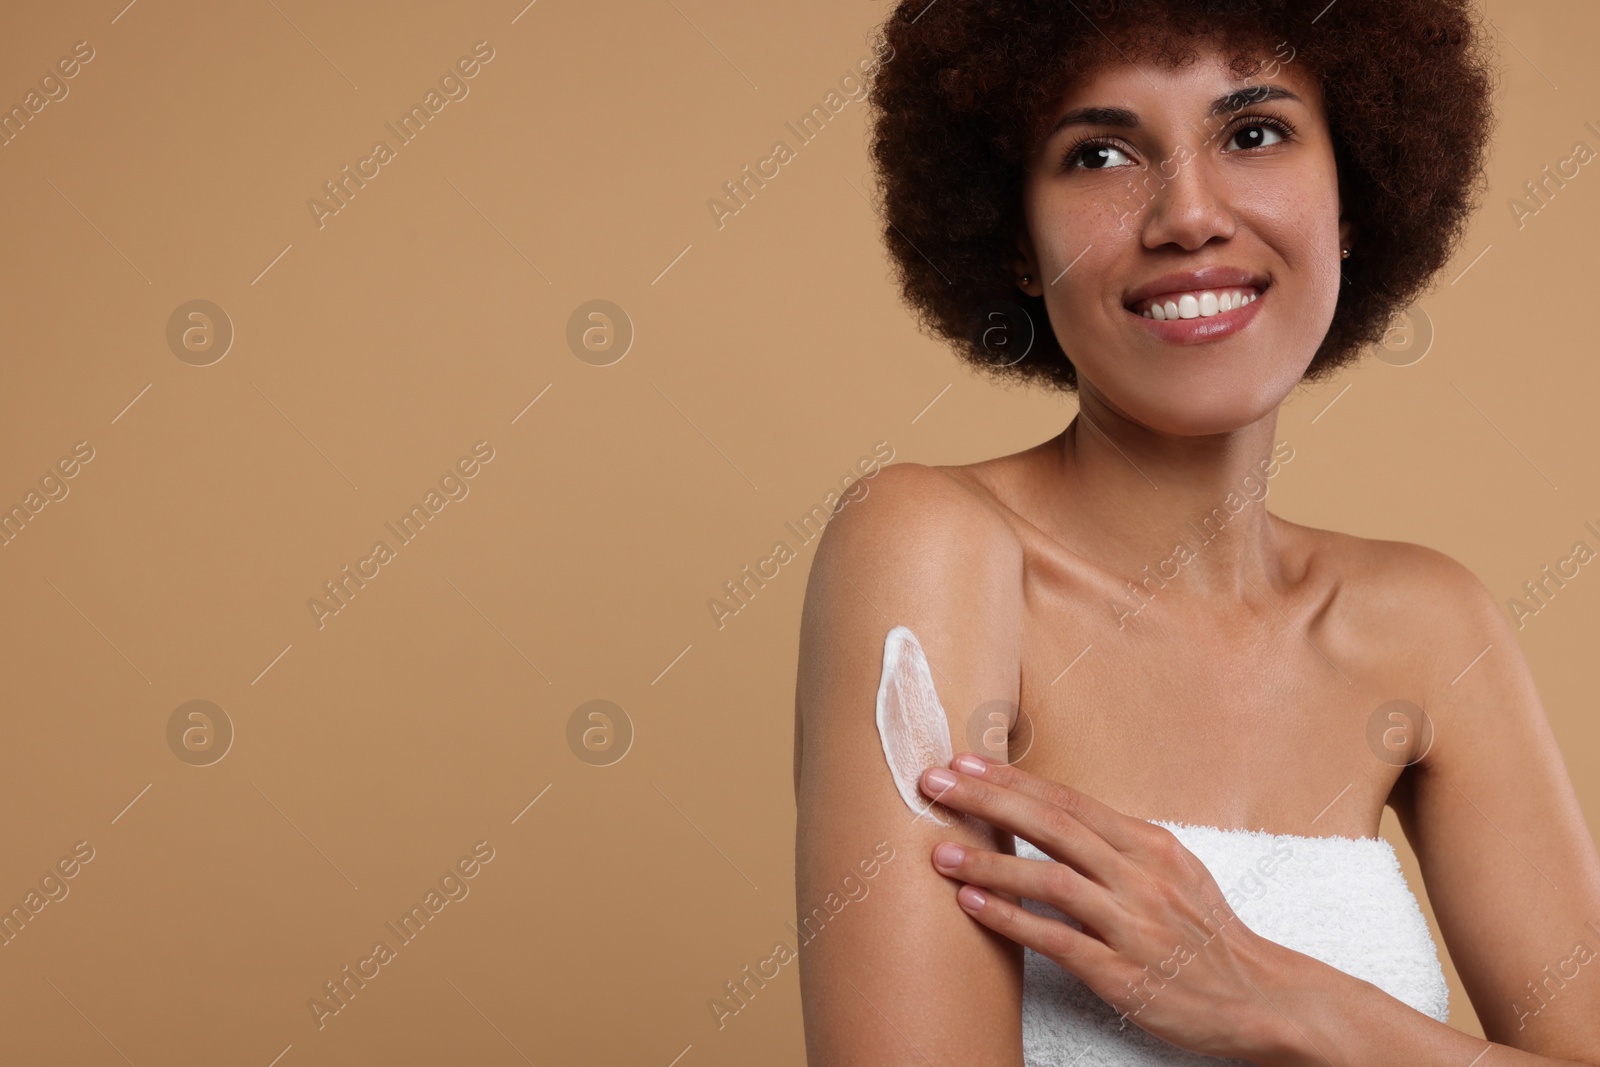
column 1159, row 942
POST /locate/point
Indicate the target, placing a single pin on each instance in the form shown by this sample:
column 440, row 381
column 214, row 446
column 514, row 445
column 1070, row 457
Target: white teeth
column 1199, row 305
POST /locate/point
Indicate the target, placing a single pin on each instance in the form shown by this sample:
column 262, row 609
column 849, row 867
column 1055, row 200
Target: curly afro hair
column 963, row 97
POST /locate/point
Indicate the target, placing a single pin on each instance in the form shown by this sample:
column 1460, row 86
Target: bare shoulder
column 1416, row 606
column 940, row 513
column 1404, row 575
column 920, row 549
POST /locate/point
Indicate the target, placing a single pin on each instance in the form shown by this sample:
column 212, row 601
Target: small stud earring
column 1344, row 253
column 1027, row 279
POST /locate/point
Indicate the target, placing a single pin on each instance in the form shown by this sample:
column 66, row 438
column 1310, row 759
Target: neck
column 1190, row 510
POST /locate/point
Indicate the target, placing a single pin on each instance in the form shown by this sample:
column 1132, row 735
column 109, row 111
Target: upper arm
column 1490, row 811
column 891, row 958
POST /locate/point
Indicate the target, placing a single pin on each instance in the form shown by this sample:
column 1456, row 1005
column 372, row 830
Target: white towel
column 1341, row 900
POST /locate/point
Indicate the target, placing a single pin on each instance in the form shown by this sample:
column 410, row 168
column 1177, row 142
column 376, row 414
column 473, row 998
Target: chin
column 1203, row 408
column 1208, row 420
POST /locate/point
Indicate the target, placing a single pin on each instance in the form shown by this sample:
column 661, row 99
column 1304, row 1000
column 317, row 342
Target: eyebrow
column 1120, row 117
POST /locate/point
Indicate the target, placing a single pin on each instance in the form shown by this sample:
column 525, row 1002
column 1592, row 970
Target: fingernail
column 970, row 764
column 970, row 898
column 948, row 855
column 941, row 779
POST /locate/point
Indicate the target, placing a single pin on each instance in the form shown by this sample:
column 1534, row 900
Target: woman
column 1179, row 211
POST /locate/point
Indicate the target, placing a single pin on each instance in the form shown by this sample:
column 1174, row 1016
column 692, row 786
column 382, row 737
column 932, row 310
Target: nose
column 1189, row 208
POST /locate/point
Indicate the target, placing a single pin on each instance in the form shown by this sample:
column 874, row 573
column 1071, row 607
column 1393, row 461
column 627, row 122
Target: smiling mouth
column 1195, row 303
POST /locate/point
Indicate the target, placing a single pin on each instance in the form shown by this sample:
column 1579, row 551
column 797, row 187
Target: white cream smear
column 911, row 722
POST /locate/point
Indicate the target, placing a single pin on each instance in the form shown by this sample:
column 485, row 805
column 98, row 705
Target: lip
column 1201, row 329
column 1205, row 278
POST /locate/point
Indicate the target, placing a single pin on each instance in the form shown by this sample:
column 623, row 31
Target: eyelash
column 1069, row 158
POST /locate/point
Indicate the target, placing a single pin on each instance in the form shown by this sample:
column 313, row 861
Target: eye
column 1260, row 133
column 1094, row 154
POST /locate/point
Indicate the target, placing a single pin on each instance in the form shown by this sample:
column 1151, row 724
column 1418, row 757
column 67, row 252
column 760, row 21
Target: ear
column 1346, row 229
column 1027, row 265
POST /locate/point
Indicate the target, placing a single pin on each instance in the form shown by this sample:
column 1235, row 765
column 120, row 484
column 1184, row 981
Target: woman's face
column 1156, row 187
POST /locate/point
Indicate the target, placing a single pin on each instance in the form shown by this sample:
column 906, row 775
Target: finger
column 1072, row 950
column 1122, row 831
column 1055, row 884
column 1055, row 831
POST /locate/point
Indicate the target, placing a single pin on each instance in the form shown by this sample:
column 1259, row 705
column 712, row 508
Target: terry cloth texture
column 1341, row 900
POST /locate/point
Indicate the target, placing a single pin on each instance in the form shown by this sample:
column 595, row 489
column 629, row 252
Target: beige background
column 371, row 353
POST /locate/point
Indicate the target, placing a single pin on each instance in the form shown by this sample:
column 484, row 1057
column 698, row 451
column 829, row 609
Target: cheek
column 1314, row 258
column 1080, row 307
column 1080, row 241
column 1295, row 209
column 1302, row 227
column 1075, row 228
